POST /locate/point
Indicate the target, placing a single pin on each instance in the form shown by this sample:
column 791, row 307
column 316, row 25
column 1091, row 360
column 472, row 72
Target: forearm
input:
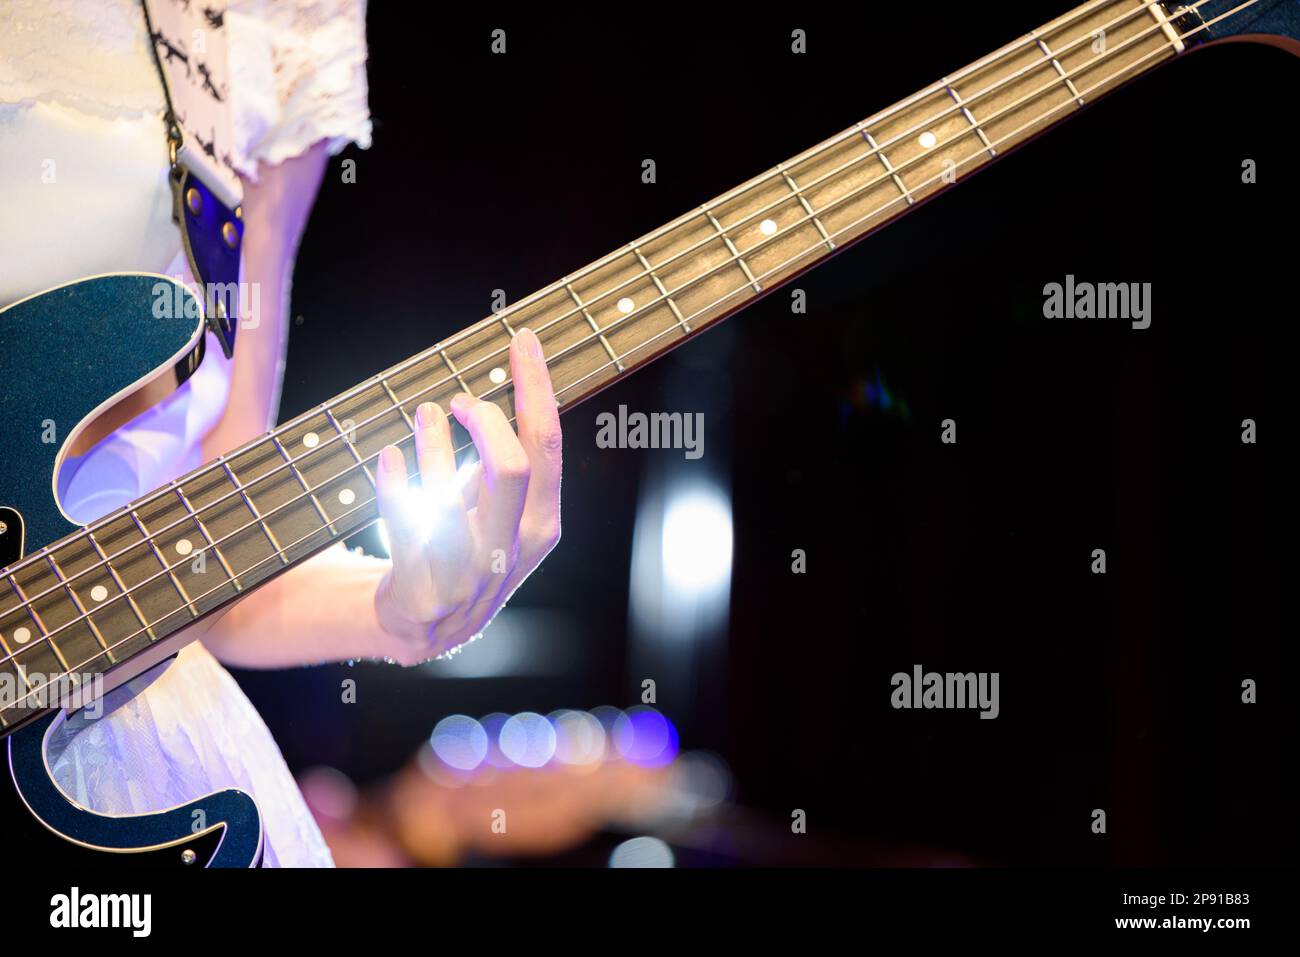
column 275, row 213
column 320, row 611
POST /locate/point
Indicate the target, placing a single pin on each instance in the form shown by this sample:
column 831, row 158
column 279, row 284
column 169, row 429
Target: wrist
column 403, row 639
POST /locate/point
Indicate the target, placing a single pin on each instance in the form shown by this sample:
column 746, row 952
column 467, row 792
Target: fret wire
column 807, row 206
column 1069, row 84
column 11, row 656
column 663, row 290
column 301, row 481
column 970, row 118
column 71, row 593
column 251, row 506
column 121, row 585
column 350, row 447
column 396, row 402
column 731, row 247
column 889, row 167
column 454, row 371
column 21, row 670
column 594, row 326
column 203, row 530
column 176, row 582
column 1085, row 66
column 26, row 605
column 1001, row 54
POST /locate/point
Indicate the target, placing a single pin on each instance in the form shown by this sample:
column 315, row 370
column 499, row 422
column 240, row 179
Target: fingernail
column 459, row 401
column 424, row 414
column 391, row 458
column 532, row 344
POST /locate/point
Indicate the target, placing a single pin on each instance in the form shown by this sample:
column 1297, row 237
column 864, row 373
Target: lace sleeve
column 297, row 75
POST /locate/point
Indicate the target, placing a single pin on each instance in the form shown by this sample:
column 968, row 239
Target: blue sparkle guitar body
column 67, row 354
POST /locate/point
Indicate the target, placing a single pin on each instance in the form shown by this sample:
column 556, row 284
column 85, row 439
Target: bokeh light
column 644, row 736
column 579, row 737
column 460, row 741
column 528, row 739
column 642, row 852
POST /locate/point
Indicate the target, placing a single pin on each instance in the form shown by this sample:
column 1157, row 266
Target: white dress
column 83, row 190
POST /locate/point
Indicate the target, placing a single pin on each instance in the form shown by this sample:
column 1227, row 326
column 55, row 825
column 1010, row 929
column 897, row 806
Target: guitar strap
column 189, row 51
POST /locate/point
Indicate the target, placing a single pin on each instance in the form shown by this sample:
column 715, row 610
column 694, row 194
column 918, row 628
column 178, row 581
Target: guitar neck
column 107, row 601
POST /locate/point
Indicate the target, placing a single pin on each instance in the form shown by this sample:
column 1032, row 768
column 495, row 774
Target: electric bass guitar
column 95, row 610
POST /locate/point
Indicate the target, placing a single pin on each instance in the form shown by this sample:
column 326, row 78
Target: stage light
column 697, row 541
column 642, row 852
column 528, row 740
column 460, row 742
column 680, row 585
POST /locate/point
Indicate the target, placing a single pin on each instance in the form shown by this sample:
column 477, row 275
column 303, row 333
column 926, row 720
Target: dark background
column 1120, row 691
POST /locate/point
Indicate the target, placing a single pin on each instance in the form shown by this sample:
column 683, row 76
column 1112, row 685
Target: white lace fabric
column 298, row 71
column 297, row 68
column 90, row 57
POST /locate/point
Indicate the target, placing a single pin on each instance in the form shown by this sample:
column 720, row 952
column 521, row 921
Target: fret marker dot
column 767, row 227
column 183, row 546
column 626, row 305
column 98, row 593
column 22, row 636
column 347, row 496
column 311, row 440
column 497, row 375
column 928, row 139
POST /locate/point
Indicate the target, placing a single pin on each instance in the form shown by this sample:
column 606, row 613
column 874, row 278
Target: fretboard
column 96, row 601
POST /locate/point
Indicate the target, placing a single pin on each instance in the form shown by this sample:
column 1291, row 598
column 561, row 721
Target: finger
column 505, row 471
column 410, row 569
column 448, row 532
column 433, row 449
column 539, row 432
column 471, row 482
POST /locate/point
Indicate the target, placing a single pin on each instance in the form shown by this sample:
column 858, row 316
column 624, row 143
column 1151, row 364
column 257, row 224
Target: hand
column 444, row 587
